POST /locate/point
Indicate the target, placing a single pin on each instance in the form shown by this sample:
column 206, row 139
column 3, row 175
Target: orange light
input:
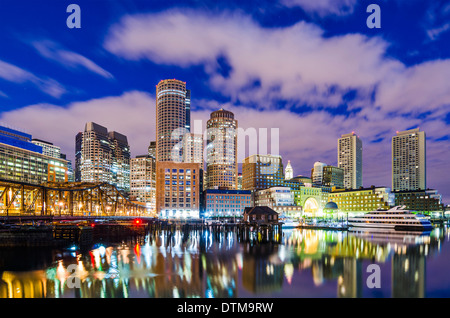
column 137, row 221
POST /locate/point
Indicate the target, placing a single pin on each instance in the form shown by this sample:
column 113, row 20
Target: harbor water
column 207, row 264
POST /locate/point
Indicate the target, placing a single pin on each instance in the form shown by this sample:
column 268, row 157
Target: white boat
column 397, row 218
column 289, row 223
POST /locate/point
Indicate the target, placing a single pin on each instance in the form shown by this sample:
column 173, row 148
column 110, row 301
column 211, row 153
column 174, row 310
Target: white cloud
column 15, row 74
column 295, row 63
column 69, row 59
column 323, row 7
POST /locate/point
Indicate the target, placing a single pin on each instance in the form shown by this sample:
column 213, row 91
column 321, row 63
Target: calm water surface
column 308, row 263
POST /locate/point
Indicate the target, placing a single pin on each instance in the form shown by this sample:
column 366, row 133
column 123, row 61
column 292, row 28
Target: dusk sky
column 313, row 69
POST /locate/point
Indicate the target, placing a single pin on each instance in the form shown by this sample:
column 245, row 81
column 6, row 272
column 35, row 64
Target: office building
column 105, row 157
column 350, row 159
column 143, row 181
column 262, row 172
column 317, row 173
column 23, row 161
column 409, row 160
column 179, row 190
column 279, row 199
column 193, row 148
column 323, row 175
column 333, row 177
column 226, row 203
column 221, row 151
column 48, row 148
column 171, row 109
column 424, row 201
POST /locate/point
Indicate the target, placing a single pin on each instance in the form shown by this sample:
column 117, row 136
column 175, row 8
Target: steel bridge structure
column 65, row 199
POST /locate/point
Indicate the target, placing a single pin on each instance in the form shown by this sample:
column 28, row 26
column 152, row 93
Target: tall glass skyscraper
column 221, row 151
column 172, row 118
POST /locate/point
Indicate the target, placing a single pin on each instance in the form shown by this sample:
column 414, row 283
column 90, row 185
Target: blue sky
column 313, row 69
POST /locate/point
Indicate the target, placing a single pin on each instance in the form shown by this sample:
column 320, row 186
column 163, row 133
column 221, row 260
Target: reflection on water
column 204, row 264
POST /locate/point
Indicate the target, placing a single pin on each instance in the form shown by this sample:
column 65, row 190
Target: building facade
column 179, row 190
column 280, row 199
column 409, row 160
column 193, row 148
column 221, row 151
column 48, row 148
column 350, row 159
column 226, row 203
column 333, row 177
column 171, row 120
column 262, row 172
column 362, row 200
column 425, row 201
column 104, row 157
column 143, row 181
column 23, row 161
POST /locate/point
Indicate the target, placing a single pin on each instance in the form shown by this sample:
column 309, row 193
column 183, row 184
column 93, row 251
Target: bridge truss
column 65, row 199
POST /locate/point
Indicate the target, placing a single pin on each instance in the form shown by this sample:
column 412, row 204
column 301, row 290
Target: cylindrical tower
column 221, row 150
column 170, row 116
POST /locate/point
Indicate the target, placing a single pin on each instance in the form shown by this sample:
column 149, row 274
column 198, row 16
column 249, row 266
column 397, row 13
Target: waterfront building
column 193, row 148
column 260, row 215
column 226, row 203
column 262, row 172
column 311, row 199
column 362, row 200
column 104, row 157
column 425, row 201
column 143, row 181
column 280, row 199
column 172, row 108
column 221, row 150
column 179, row 190
column 288, row 171
column 350, row 159
column 409, row 160
column 22, row 160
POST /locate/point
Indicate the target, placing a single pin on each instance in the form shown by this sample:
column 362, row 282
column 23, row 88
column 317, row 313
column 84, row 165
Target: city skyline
column 373, row 82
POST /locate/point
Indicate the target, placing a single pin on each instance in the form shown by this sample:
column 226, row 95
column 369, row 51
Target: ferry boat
column 397, row 218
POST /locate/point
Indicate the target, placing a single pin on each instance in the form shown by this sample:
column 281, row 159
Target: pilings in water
column 245, row 232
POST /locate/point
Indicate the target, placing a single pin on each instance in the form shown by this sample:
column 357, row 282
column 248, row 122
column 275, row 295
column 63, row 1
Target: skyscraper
column 120, row 160
column 221, row 150
column 193, row 148
column 172, row 106
column 350, row 159
column 409, row 160
column 105, row 157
